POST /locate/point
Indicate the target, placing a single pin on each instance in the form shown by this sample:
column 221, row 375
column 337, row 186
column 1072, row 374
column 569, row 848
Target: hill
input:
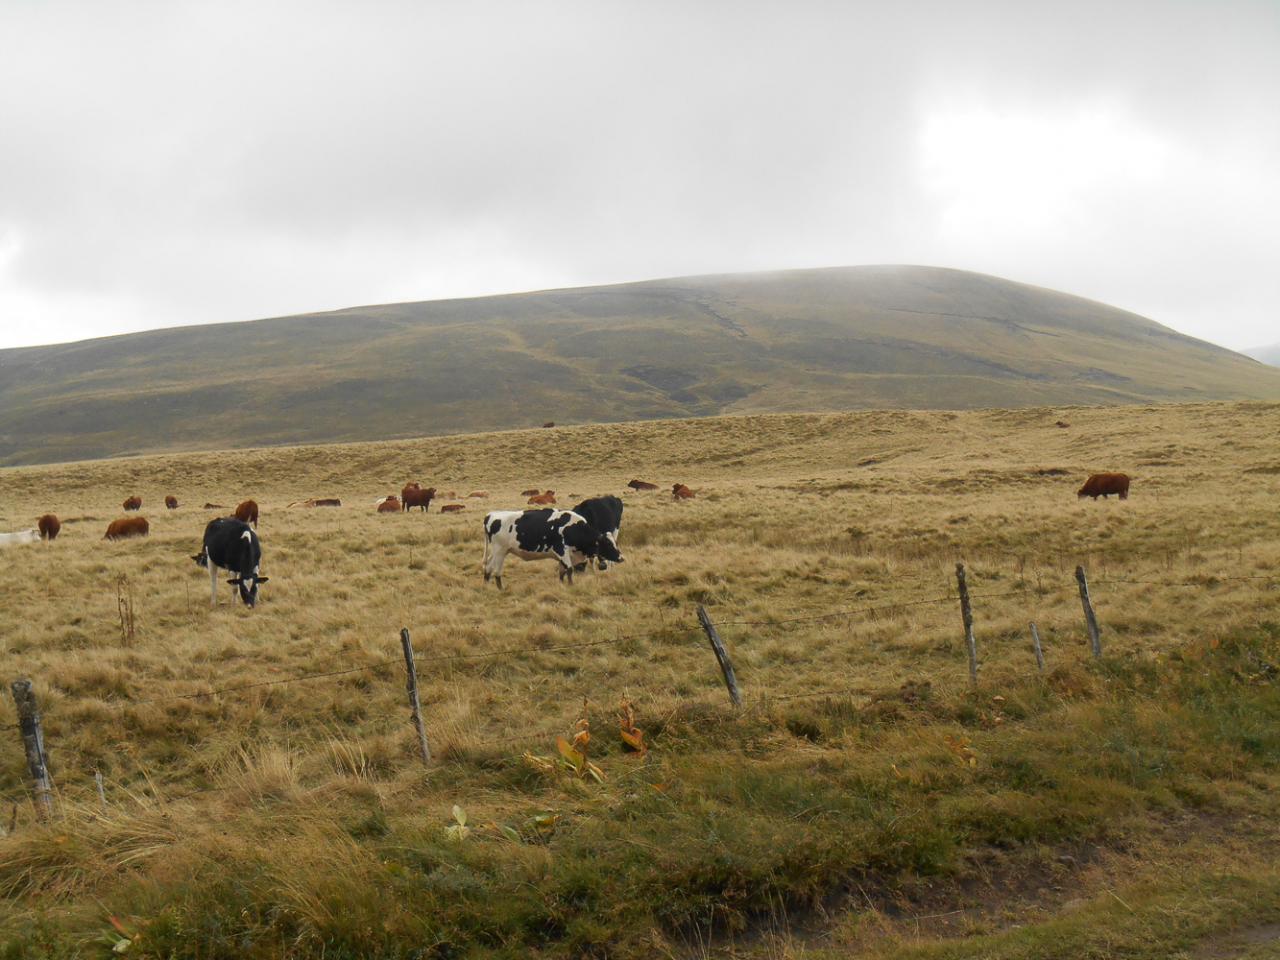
column 843, row 338
column 264, row 797
column 1269, row 354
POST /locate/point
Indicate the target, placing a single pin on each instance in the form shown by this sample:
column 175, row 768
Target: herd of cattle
column 585, row 534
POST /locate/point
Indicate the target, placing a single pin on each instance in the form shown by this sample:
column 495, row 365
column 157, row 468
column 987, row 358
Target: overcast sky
column 168, row 163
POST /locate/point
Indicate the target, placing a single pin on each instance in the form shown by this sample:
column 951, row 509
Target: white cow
column 542, row 535
column 21, row 536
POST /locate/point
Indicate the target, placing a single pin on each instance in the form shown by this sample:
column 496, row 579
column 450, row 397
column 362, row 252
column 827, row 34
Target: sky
column 171, row 163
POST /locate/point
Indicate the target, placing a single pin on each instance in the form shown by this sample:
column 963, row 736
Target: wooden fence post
column 1090, row 621
column 722, row 656
column 33, row 743
column 1035, row 646
column 412, row 686
column 966, row 612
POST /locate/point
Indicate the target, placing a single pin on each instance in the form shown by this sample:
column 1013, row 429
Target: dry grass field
column 863, row 802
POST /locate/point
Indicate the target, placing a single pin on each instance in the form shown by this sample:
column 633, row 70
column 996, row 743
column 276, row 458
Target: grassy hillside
column 848, row 338
column 864, row 802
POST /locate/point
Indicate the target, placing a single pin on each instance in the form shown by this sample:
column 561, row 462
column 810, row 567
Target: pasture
column 864, row 801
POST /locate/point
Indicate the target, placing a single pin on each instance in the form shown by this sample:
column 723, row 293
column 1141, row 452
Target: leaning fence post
column 966, row 612
column 412, row 686
column 1035, row 646
column 722, row 656
column 33, row 743
column 1091, row 621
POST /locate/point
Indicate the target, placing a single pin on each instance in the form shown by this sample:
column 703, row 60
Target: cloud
column 181, row 163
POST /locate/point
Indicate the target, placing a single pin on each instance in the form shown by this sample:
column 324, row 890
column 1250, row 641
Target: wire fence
column 460, row 742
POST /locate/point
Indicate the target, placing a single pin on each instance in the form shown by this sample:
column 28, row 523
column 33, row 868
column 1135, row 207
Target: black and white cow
column 542, row 535
column 605, row 514
column 232, row 545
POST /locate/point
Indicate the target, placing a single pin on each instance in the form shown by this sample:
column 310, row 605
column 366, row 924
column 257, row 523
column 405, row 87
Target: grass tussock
column 862, row 783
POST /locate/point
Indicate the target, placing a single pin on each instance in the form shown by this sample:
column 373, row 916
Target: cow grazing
column 19, row 536
column 127, row 527
column 605, row 515
column 231, row 545
column 389, row 505
column 247, row 512
column 680, row 492
column 642, row 485
column 133, row 503
column 49, row 527
column 453, row 507
column 415, row 496
column 544, row 499
column 171, row 502
column 1105, row 484
column 542, row 535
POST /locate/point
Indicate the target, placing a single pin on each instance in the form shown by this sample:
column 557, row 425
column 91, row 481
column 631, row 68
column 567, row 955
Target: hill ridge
column 827, row 338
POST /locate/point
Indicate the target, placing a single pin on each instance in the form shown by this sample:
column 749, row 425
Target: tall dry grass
column 796, row 516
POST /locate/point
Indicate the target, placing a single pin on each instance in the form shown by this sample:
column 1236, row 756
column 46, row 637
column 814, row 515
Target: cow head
column 584, row 538
column 248, row 587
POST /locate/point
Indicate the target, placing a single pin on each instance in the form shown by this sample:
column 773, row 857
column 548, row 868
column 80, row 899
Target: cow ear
column 262, row 579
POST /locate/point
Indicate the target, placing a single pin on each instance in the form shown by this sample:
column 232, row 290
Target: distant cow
column 231, row 545
column 549, row 424
column 389, row 505
column 680, row 492
column 19, row 536
column 133, row 503
column 542, row 535
column 127, row 527
column 544, row 499
column 605, row 515
column 317, row 502
column 453, row 507
column 247, row 512
column 642, row 485
column 415, row 496
column 1105, row 484
column 530, row 493
column 214, row 506
column 171, row 502
column 49, row 526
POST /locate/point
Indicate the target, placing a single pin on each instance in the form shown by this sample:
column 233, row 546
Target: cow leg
column 495, row 566
column 213, row 582
column 488, row 551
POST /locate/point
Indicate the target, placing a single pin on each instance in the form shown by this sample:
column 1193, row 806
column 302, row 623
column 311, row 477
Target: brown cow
column 133, row 503
column 548, row 424
column 415, row 496
column 530, row 493
column 127, row 527
column 544, row 499
column 1105, row 484
column 171, row 502
column 642, row 485
column 680, row 492
column 389, row 505
column 247, row 512
column 214, row 506
column 453, row 507
column 48, row 525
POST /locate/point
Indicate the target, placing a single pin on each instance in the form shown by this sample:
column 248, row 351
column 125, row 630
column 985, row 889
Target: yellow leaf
column 569, row 753
column 634, row 739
